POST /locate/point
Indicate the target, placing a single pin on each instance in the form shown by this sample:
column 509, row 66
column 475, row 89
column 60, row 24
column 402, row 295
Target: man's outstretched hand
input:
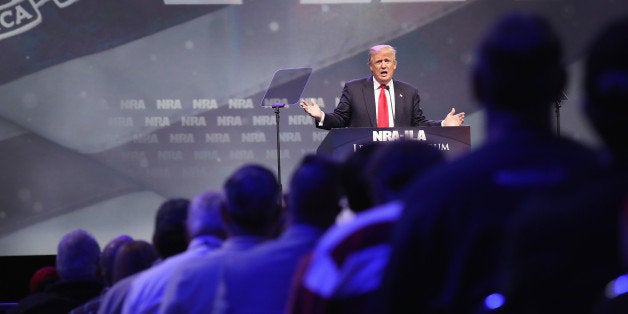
column 312, row 109
column 453, row 119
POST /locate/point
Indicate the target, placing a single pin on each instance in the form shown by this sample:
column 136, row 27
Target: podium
column 340, row 143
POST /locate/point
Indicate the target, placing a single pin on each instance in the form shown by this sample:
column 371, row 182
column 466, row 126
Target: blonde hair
column 377, row 48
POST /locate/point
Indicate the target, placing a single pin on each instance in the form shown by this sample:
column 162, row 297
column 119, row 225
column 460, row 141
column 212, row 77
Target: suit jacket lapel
column 369, row 101
column 399, row 105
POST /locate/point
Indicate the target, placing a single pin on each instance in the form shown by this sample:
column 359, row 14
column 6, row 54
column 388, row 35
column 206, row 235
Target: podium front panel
column 452, row 141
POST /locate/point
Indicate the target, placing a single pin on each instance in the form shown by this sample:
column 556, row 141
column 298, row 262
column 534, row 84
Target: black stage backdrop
column 107, row 108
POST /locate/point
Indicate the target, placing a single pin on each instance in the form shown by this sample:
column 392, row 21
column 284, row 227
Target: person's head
column 395, row 164
column 519, row 67
column 108, row 255
column 204, row 216
column 315, row 192
column 606, row 86
column 253, row 201
column 170, row 235
column 133, row 257
column 42, row 278
column 78, row 255
column 355, row 180
column 382, row 62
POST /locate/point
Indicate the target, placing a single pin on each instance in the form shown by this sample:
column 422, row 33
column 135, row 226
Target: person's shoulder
column 32, row 301
column 149, row 275
column 428, row 191
column 195, row 268
column 359, row 81
column 173, row 261
column 267, row 248
column 338, row 234
column 403, row 85
column 121, row 287
column 44, row 303
column 114, row 297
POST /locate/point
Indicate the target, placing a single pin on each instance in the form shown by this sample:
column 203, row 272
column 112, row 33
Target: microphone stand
column 557, row 105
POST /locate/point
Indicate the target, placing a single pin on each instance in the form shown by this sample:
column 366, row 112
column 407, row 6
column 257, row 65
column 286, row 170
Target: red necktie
column 382, row 108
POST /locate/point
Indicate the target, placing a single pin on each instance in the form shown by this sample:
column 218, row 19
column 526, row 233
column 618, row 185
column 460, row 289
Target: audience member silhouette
column 206, row 231
column 355, row 177
column 447, row 243
column 132, row 258
column 170, row 235
column 107, row 258
column 606, row 86
column 169, row 238
column 606, row 91
column 77, row 259
column 346, row 267
column 259, row 280
column 562, row 248
column 251, row 216
column 42, row 278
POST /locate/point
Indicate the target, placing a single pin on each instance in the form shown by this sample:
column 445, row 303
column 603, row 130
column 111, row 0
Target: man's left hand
column 453, row 119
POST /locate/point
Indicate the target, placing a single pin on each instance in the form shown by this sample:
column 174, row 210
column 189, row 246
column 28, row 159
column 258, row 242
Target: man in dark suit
column 367, row 102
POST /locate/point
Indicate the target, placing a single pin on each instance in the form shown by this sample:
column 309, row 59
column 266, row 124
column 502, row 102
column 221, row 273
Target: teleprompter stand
column 557, row 105
column 284, row 90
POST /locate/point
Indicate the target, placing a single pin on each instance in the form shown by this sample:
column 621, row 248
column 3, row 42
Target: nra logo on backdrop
column 19, row 16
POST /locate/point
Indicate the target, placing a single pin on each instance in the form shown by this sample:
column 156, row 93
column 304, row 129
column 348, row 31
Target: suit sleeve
column 418, row 119
column 341, row 117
